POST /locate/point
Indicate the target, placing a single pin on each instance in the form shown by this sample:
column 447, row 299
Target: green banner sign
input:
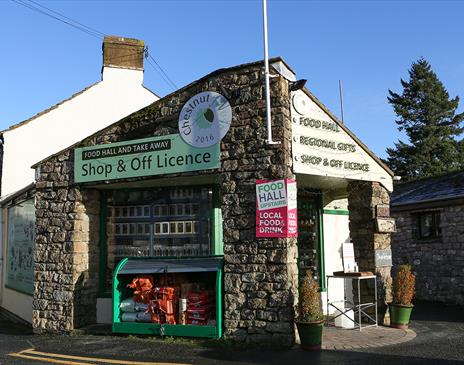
column 143, row 157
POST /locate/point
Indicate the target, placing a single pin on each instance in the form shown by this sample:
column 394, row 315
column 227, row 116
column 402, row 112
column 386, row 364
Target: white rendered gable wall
column 119, row 94
column 321, row 147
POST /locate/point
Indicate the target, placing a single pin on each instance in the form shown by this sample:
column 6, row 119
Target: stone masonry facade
column 363, row 198
column 438, row 263
column 260, row 275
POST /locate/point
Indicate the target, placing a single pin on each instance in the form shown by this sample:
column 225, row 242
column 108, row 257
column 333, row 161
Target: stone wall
column 65, row 284
column 260, row 280
column 363, row 198
column 260, row 275
column 437, row 263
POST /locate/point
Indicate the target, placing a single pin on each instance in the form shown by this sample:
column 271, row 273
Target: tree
column 428, row 116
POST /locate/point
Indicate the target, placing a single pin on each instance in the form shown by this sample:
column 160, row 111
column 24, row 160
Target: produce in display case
column 160, row 304
column 172, row 296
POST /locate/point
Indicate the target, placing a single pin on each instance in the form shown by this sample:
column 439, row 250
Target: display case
column 205, row 270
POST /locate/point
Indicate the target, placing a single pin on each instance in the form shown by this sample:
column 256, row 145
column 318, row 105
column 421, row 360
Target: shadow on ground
column 296, row 357
column 11, row 327
column 433, row 312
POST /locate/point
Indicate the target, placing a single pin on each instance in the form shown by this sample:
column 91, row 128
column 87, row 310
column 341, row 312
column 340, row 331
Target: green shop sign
column 142, row 157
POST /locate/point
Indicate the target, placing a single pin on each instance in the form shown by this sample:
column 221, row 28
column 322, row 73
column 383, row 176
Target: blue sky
column 369, row 45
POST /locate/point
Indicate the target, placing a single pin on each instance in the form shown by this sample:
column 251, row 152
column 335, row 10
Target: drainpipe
column 266, row 77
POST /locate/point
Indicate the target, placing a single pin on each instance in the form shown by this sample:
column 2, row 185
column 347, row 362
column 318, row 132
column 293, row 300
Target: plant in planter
column 310, row 318
column 403, row 287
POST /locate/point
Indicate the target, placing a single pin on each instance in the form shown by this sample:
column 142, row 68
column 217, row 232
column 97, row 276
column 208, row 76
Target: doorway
column 310, row 242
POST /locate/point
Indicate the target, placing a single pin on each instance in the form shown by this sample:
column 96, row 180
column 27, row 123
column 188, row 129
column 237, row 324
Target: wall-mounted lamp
column 297, row 85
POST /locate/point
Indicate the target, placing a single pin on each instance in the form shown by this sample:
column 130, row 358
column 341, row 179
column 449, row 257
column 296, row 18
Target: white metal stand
column 359, row 309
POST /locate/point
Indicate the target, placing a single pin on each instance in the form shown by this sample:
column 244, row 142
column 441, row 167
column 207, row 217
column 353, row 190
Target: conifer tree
column 428, row 116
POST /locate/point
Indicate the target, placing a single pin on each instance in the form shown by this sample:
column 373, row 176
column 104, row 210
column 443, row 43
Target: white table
column 359, row 309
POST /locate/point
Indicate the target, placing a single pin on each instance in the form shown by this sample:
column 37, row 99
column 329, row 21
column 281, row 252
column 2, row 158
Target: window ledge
column 429, row 240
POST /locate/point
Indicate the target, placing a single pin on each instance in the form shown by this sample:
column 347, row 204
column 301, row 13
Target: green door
column 310, row 247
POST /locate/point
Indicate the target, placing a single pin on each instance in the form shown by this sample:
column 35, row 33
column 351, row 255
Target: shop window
column 20, row 247
column 428, row 225
column 162, row 222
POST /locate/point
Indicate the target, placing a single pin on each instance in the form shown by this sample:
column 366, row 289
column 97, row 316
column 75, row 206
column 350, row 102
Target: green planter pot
column 399, row 315
column 310, row 334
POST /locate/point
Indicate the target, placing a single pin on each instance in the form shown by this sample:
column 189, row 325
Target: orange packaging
column 142, row 286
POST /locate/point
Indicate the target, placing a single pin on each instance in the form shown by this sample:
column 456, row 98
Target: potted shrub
column 403, row 287
column 310, row 318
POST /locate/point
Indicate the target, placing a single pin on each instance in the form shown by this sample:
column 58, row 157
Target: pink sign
column 276, row 211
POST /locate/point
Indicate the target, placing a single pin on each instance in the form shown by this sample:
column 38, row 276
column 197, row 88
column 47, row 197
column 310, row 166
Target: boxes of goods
column 160, row 304
column 156, row 304
column 200, row 307
column 168, row 296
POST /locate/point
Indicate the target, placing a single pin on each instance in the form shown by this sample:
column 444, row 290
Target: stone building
column 430, row 235
column 119, row 93
column 203, row 150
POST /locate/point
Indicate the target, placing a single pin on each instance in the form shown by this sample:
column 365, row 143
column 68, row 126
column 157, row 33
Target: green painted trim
column 336, row 212
column 219, row 298
column 19, row 290
column 116, row 293
column 102, row 292
column 169, row 329
column 216, row 221
column 321, row 245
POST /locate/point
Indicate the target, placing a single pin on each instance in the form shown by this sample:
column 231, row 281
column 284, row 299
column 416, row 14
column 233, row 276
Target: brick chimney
column 123, row 52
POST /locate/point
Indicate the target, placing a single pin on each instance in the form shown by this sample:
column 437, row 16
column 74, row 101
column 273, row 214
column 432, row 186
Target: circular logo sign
column 301, row 104
column 205, row 119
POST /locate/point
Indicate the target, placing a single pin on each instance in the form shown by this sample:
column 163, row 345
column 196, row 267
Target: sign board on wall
column 20, row 250
column 143, row 157
column 205, row 119
column 321, row 147
column 383, row 258
column 385, row 225
column 276, row 208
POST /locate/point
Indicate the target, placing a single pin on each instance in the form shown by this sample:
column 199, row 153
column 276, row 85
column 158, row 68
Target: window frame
column 435, row 228
column 216, row 231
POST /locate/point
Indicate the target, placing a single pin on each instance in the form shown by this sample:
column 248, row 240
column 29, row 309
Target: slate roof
column 443, row 187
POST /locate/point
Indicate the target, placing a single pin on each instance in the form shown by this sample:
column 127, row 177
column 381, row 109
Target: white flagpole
column 266, row 77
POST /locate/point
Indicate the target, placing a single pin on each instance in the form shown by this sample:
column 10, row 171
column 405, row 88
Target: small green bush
column 403, row 288
column 309, row 306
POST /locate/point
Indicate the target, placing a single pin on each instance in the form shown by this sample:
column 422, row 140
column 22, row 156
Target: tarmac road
column 440, row 340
